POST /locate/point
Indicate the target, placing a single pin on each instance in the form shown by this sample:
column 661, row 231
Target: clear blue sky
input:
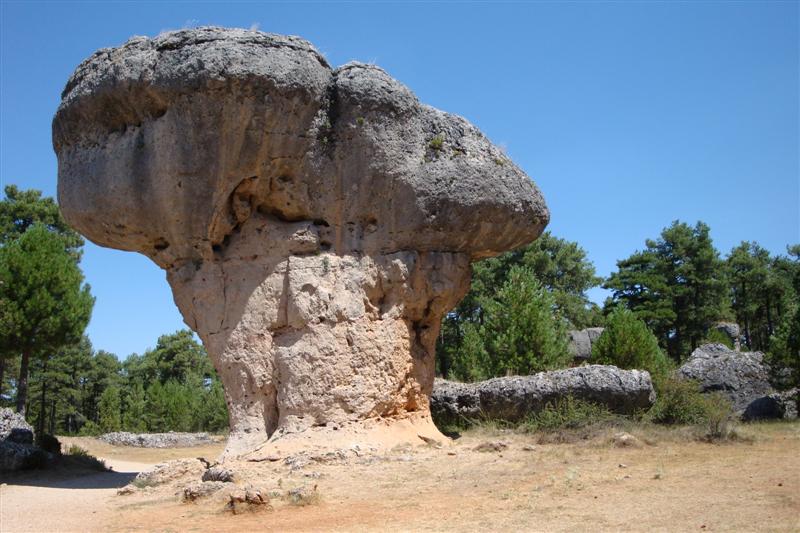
column 628, row 115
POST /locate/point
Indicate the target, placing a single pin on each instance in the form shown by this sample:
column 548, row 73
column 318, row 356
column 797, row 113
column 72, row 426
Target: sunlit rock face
column 315, row 223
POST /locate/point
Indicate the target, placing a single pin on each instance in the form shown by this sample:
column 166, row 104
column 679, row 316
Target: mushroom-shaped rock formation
column 315, row 223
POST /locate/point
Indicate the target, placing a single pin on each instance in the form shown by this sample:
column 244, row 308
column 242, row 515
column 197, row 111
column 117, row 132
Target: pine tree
column 109, row 408
column 677, row 285
column 46, row 304
column 627, row 343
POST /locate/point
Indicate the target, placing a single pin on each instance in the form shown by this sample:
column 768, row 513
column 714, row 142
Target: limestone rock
column 777, row 405
column 14, row 427
column 515, row 398
column 218, row 473
column 203, row 489
column 581, row 342
column 17, row 451
column 156, row 440
column 315, row 223
column 741, row 376
column 170, row 471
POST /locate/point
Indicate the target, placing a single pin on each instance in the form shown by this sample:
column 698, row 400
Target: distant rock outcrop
column 581, row 342
column 741, row 376
column 515, row 398
column 157, row 440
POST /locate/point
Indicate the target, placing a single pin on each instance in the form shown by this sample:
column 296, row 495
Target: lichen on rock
column 312, row 233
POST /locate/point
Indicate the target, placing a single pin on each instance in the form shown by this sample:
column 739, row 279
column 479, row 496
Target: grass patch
column 437, row 143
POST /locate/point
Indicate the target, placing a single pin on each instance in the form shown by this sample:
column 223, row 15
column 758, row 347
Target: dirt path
column 57, row 503
column 671, row 484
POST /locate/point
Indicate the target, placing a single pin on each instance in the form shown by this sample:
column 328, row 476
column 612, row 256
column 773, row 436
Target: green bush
column 680, row 402
column 627, row 343
column 567, row 413
column 89, row 429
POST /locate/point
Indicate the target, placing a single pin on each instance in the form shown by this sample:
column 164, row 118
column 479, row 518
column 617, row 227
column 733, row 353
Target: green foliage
column 677, row 285
column 627, row 343
column 20, row 210
column 568, row 413
column 715, row 336
column 109, row 409
column 762, row 291
column 89, row 429
column 680, row 402
column 520, row 332
column 784, row 351
column 46, row 304
column 565, row 274
column 437, row 143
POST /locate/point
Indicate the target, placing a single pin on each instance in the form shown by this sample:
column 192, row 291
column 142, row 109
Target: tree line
column 48, row 368
column 515, row 317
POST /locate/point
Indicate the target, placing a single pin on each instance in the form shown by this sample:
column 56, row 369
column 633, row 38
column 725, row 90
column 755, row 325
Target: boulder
column 315, row 223
column 517, row 397
column 17, row 451
column 741, row 376
column 730, row 330
column 581, row 342
column 777, row 405
column 14, row 428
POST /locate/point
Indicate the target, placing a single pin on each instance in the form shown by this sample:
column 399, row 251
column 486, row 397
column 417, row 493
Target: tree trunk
column 43, row 401
column 52, row 429
column 22, row 382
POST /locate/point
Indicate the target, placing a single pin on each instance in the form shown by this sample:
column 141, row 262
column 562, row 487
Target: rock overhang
column 155, row 137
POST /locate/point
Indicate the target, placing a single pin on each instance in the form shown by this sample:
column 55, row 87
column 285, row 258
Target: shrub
column 89, row 429
column 567, row 413
column 627, row 343
column 680, row 401
column 78, row 457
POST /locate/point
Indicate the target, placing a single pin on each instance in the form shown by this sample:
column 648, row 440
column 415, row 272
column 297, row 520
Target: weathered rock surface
column 17, row 451
column 517, row 397
column 741, row 376
column 315, row 223
column 581, row 342
column 777, row 405
column 157, row 440
column 14, row 427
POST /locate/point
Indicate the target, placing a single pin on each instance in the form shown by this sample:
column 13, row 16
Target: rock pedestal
column 315, row 224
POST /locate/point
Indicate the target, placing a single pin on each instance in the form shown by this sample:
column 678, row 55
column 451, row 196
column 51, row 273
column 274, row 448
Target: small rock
column 528, row 448
column 626, row 440
column 491, row 446
column 127, row 489
column 195, row 491
column 302, row 496
column 430, row 442
column 218, row 473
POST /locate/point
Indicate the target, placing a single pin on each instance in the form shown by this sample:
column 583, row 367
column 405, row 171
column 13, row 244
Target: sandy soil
column 671, row 483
